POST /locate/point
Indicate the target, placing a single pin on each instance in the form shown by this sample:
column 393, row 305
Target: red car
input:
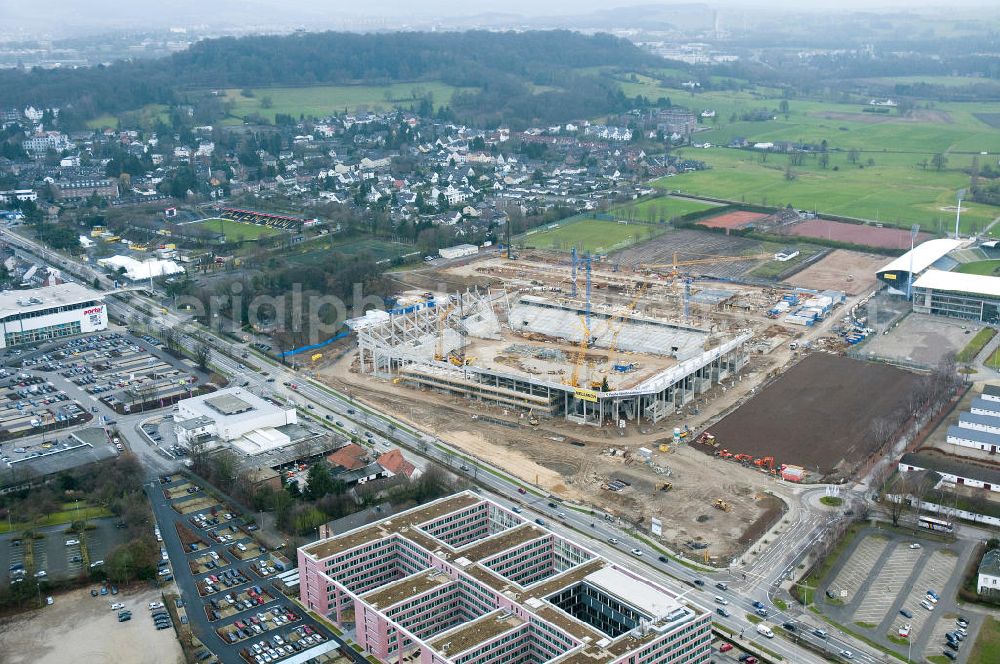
column 725, row 647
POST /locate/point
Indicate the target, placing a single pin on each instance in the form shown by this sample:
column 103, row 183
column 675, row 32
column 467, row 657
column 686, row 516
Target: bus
column 937, row 525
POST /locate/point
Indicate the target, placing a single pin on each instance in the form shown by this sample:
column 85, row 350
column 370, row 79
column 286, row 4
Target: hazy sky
column 67, row 17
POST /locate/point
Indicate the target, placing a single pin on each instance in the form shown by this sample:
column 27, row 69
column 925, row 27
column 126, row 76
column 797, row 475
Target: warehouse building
column 932, row 253
column 952, row 471
column 971, row 296
column 985, row 423
column 229, row 415
column 50, row 312
column 464, row 579
column 974, row 439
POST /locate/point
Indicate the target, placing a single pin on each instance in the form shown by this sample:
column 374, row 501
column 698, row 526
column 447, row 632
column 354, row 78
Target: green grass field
column 988, row 268
column 658, row 208
column 895, row 191
column 68, row 514
column 319, row 251
column 321, row 100
column 590, row 235
column 987, row 644
column 975, row 345
column 236, row 231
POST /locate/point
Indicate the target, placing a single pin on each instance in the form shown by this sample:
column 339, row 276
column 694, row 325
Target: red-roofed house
column 394, row 462
column 348, row 457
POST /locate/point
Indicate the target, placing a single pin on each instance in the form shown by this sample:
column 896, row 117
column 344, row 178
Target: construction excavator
column 720, row 504
column 765, row 463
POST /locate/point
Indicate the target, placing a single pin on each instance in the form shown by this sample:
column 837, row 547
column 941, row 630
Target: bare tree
column 896, row 491
column 202, row 355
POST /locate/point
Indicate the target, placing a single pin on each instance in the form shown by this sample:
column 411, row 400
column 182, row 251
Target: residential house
column 988, row 582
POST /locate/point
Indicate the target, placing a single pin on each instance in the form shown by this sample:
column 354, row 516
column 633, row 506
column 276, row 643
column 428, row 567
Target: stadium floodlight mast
column 914, row 230
column 958, row 211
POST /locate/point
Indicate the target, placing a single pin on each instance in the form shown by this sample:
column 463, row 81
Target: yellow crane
column 620, row 317
column 439, row 348
column 580, row 354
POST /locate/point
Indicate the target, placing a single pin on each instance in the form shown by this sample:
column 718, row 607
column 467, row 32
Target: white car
column 155, row 605
column 72, row 542
column 915, row 546
column 636, row 552
column 117, row 605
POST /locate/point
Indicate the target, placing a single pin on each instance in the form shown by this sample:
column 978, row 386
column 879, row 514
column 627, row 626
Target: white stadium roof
column 924, row 255
column 957, row 282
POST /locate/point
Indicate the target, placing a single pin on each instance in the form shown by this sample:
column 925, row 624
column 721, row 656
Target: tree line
column 503, row 66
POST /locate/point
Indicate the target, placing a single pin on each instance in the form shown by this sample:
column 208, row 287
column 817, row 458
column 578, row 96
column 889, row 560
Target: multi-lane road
column 761, row 577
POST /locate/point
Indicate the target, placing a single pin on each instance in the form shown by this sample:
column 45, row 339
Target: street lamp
column 958, row 211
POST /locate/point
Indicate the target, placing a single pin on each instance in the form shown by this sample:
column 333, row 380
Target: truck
column 765, row 630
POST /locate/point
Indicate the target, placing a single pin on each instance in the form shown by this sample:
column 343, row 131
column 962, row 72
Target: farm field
column 659, row 208
column 895, row 191
column 947, row 127
column 817, row 415
column 321, row 100
column 236, row 231
column 987, row 268
column 590, row 235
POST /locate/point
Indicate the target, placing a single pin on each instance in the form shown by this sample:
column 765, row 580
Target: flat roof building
column 970, row 296
column 229, row 415
column 42, row 314
column 464, row 580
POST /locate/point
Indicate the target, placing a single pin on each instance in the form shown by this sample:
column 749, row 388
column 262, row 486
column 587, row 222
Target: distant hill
column 504, row 67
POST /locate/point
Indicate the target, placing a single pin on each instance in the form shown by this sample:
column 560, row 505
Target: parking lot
column 232, row 605
column 852, row 576
column 29, row 406
column 887, row 581
column 57, row 553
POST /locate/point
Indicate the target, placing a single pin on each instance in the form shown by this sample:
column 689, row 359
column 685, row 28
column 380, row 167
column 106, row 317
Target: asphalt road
column 495, row 482
column 203, row 628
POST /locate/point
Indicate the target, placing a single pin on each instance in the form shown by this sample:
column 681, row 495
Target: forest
column 499, row 68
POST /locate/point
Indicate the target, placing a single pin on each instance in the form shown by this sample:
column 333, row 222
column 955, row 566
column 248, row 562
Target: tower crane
column 580, row 354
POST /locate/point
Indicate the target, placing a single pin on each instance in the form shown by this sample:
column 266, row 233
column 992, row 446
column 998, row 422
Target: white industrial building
column 50, row 312
column 229, row 415
column 136, row 270
column 459, row 251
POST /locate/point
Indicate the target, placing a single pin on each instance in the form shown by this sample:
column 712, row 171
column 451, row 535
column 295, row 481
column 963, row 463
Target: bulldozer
column 720, row 504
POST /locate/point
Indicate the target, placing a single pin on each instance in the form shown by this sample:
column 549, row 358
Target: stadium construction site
column 551, row 356
column 594, row 380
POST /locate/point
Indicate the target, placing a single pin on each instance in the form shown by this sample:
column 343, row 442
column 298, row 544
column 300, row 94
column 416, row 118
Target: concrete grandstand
column 550, row 356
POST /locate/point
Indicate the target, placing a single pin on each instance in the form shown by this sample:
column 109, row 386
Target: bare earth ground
column 818, row 414
column 572, row 461
column 831, row 272
column 83, row 629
